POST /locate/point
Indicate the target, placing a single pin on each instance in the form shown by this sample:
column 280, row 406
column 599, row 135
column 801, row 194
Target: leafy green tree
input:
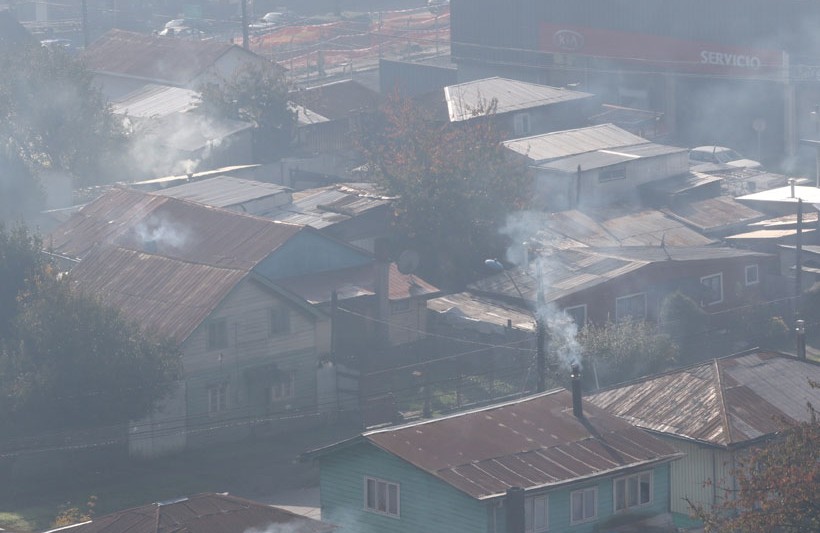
column 625, row 350
column 53, row 118
column 775, row 486
column 257, row 94
column 454, row 185
column 66, row 360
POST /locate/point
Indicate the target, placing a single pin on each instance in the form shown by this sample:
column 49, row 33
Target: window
column 536, row 514
column 381, row 496
column 522, row 123
column 632, row 306
column 279, row 321
column 712, row 289
column 578, row 314
column 399, row 306
column 217, row 398
column 612, row 174
column 752, row 275
column 217, row 334
column 282, row 387
column 583, row 505
column 633, row 491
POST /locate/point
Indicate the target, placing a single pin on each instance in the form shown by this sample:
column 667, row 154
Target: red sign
column 664, row 53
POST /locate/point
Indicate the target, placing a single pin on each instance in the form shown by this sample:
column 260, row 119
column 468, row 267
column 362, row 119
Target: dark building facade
column 743, row 73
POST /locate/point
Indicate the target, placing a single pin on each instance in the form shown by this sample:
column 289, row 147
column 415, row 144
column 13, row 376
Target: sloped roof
column 510, row 95
column 715, row 214
column 616, row 226
column 154, row 101
column 474, row 311
column 202, row 513
column 542, row 148
column 171, row 227
column 355, row 282
column 159, row 59
column 725, row 402
column 607, row 157
column 166, row 296
column 336, row 100
column 225, row 191
column 529, row 443
column 325, row 206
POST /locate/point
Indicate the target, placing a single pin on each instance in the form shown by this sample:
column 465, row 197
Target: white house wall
column 698, row 475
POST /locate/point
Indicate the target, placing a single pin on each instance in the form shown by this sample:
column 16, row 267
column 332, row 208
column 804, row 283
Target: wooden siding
column 426, row 504
column 696, row 475
column 249, row 363
column 429, row 505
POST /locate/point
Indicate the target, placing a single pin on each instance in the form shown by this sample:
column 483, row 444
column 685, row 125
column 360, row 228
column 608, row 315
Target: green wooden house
column 540, row 463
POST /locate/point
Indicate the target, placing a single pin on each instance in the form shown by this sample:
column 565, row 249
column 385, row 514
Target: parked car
column 720, row 155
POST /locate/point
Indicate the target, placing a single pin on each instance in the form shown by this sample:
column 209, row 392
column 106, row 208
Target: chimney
column 577, row 408
column 791, row 182
column 514, row 504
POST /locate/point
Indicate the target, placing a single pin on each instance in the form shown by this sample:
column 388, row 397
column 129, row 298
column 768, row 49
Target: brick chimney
column 577, row 407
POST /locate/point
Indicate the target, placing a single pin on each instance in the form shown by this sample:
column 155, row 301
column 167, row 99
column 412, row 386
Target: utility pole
column 246, row 41
column 798, row 258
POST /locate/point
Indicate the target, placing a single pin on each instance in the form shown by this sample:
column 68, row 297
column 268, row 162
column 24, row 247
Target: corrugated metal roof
column 337, row 100
column 171, row 227
column 542, row 148
column 529, row 443
column 510, row 95
column 788, row 220
column 176, row 61
column 202, row 513
column 472, row 311
column 163, row 295
column 767, row 234
column 355, row 282
column 609, row 157
column 713, row 214
column 325, row 206
column 783, row 195
column 725, row 402
column 225, row 191
column 617, row 226
column 681, row 183
column 153, row 101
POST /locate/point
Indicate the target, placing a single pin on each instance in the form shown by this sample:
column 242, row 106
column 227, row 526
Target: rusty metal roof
column 509, row 95
column 171, row 227
column 202, row 513
column 322, row 207
column 337, row 100
column 136, row 55
column 166, row 296
column 725, row 402
column 542, row 148
column 530, row 443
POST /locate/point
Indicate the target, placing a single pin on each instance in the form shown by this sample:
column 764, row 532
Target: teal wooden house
column 544, row 463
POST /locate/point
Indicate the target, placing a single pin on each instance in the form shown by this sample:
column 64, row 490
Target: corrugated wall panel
column 695, row 475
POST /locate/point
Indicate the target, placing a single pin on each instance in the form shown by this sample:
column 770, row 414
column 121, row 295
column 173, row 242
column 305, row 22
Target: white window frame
column 574, row 307
column 719, row 275
column 618, row 318
column 751, row 268
column 530, row 515
column 624, row 481
column 217, row 398
column 376, row 482
column 283, row 387
column 583, row 493
column 215, row 341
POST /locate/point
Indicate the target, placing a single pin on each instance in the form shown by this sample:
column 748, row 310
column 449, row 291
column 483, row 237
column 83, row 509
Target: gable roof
column 510, row 95
column 336, row 100
column 175, row 228
column 165, row 296
column 202, row 513
column 725, row 402
column 158, row 59
column 542, row 148
column 228, row 191
column 531, row 443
